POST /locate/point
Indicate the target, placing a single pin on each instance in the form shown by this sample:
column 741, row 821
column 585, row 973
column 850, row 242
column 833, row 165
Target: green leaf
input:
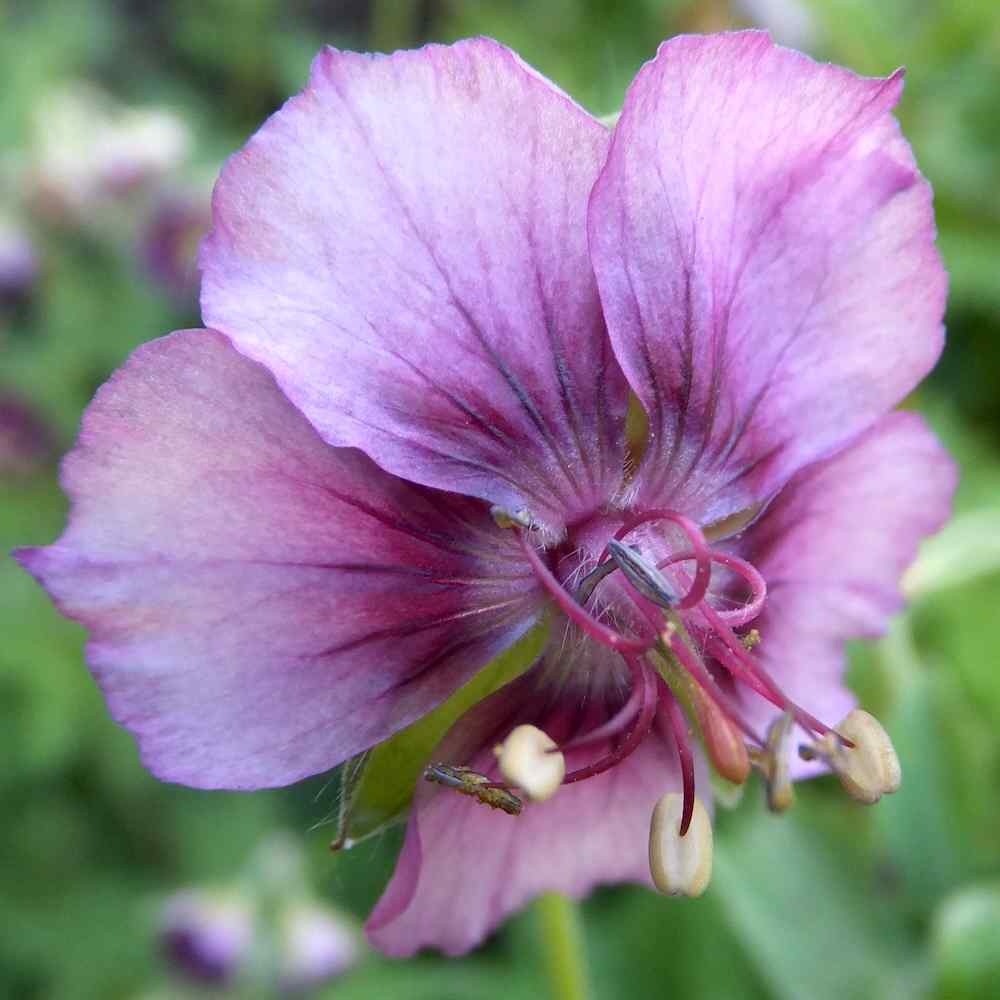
column 376, row 788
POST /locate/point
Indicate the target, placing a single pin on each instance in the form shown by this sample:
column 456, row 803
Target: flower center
column 649, row 598
column 677, row 615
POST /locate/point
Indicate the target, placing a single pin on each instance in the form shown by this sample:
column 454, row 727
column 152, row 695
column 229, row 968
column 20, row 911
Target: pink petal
column 465, row 867
column 764, row 248
column 833, row 547
column 263, row 606
column 404, row 246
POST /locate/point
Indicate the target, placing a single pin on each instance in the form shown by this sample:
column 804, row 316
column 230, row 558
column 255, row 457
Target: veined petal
column 764, row 247
column 833, row 546
column 261, row 605
column 465, row 867
column 404, row 246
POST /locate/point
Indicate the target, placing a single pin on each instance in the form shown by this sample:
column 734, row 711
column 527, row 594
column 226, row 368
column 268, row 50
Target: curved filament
column 700, row 550
column 671, row 713
column 644, row 719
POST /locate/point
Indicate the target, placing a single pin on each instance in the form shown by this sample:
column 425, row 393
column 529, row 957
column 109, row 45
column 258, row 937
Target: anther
column 643, row 575
column 723, row 742
column 773, row 763
column 505, row 518
column 589, row 583
column 870, row 768
column 680, row 865
column 529, row 760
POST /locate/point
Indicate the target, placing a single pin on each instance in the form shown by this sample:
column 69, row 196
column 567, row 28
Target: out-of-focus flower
column 213, row 937
column 432, row 281
column 207, row 935
column 26, row 441
column 89, row 150
column 170, row 238
column 791, row 22
column 20, row 268
column 264, row 930
column 317, row 945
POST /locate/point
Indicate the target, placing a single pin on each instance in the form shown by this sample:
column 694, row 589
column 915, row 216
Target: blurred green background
column 114, row 117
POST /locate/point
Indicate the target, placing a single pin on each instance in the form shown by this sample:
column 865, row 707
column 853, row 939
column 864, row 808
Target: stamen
column 869, row 767
column 729, row 649
column 644, row 719
column 726, row 750
column 680, row 866
column 773, row 763
column 529, row 760
column 758, row 587
column 677, row 724
column 576, row 613
column 693, row 666
column 740, row 661
column 505, row 518
column 618, row 722
column 589, row 583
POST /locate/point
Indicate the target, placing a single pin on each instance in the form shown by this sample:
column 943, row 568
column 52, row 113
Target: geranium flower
column 431, row 283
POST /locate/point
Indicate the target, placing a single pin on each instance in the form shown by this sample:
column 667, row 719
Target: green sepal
column 377, row 786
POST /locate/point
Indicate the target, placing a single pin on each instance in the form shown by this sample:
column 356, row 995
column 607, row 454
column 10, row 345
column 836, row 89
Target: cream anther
column 680, row 866
column 529, row 760
column 869, row 769
column 773, row 763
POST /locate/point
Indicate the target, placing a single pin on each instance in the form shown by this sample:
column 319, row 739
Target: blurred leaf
column 421, row 979
column 809, row 920
column 916, row 825
column 641, row 944
column 966, row 944
column 967, row 547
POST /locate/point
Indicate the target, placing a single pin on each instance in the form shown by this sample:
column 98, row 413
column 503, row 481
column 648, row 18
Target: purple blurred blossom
column 20, row 267
column 207, row 936
column 169, row 241
column 26, row 441
column 317, row 945
column 215, row 937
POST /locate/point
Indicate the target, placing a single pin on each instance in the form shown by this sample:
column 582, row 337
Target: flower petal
column 833, row 547
column 262, row 606
column 465, row 867
column 764, row 248
column 404, row 246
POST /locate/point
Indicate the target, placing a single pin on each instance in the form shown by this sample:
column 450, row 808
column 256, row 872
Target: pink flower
column 432, row 281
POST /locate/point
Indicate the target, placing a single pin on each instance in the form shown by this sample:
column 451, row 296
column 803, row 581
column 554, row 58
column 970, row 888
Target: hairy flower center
column 651, row 598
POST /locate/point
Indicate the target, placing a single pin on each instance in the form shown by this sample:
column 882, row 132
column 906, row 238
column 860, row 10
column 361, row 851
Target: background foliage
column 830, row 902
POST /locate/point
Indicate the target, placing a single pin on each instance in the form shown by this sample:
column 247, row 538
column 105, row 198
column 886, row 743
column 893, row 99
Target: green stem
column 562, row 942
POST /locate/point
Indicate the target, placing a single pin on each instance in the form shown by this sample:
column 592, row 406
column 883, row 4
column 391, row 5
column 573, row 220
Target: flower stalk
column 561, row 934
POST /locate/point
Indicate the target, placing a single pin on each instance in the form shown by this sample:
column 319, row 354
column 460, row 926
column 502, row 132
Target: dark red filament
column 697, row 625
